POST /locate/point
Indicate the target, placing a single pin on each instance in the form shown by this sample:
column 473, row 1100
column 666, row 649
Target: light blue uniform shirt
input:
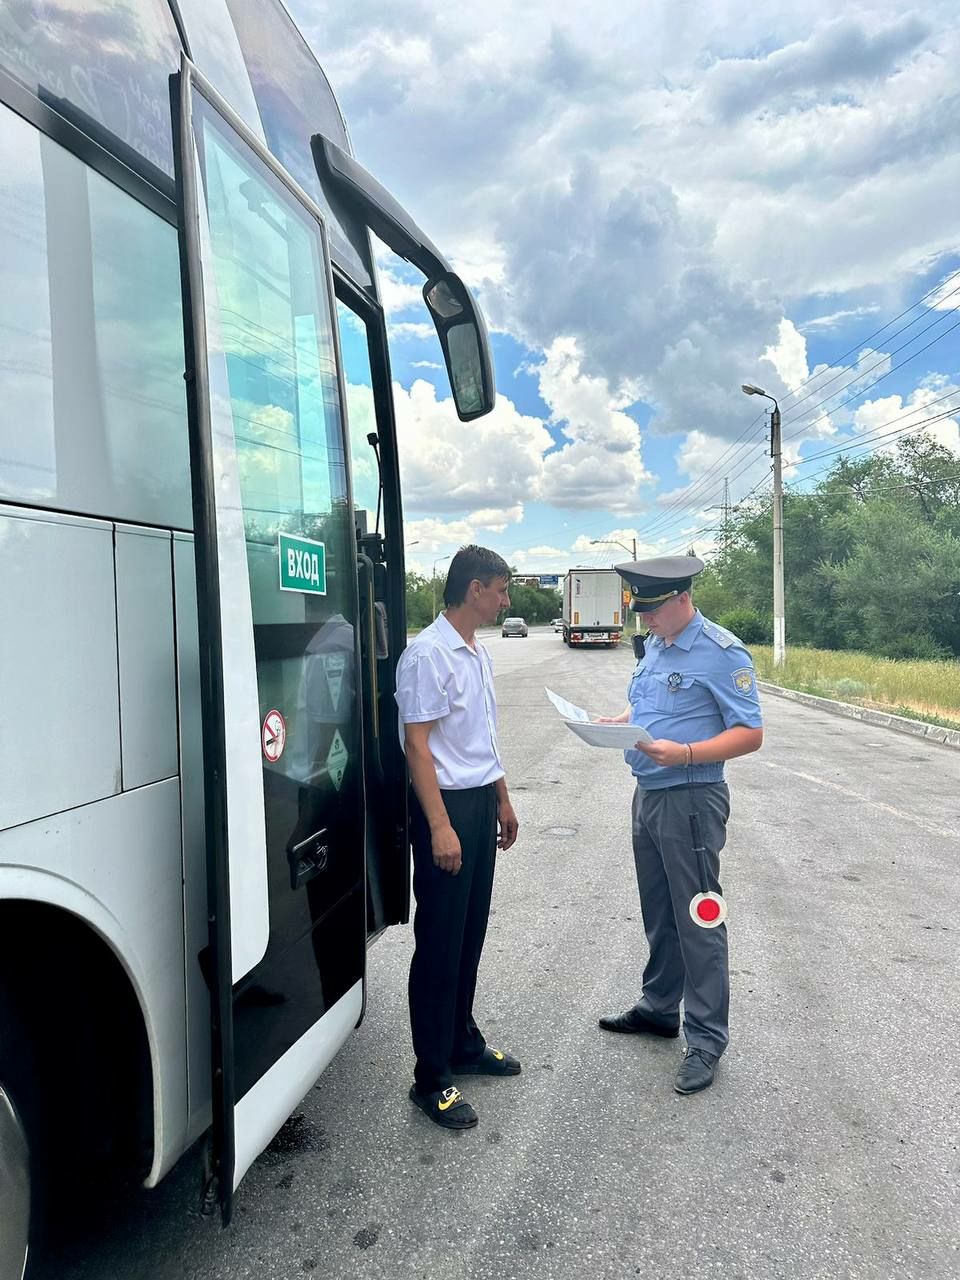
column 688, row 691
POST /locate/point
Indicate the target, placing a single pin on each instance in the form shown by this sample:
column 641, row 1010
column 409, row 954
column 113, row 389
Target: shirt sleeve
column 733, row 683
column 420, row 693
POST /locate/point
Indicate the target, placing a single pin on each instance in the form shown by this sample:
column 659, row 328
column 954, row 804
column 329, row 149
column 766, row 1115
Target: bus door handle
column 308, row 858
column 370, row 697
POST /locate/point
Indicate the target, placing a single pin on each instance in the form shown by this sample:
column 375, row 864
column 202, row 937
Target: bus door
column 280, row 653
column 383, row 637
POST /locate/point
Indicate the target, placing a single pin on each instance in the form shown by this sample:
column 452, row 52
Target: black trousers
column 449, row 928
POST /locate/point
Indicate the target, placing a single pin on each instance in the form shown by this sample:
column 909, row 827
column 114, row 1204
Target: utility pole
column 779, row 621
column 433, row 581
column 779, row 627
column 613, row 542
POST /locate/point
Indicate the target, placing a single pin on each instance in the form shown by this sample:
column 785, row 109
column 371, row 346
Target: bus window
column 296, row 102
column 107, row 71
column 362, row 419
column 216, row 51
column 93, row 338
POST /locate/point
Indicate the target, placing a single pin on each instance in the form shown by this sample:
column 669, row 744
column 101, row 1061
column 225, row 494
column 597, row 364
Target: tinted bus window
column 94, row 414
column 104, row 64
column 361, row 415
column 295, row 102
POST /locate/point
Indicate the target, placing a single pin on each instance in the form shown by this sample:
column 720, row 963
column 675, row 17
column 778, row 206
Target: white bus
column 202, row 795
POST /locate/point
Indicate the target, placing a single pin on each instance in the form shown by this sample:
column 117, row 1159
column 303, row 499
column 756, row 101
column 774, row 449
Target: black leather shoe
column 492, row 1062
column 446, row 1107
column 697, row 1071
column 635, row 1023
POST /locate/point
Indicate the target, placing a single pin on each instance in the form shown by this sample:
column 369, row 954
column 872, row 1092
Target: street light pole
column 614, row 542
column 433, row 580
column 779, row 621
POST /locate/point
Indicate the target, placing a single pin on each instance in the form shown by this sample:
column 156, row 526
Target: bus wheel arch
column 87, row 1099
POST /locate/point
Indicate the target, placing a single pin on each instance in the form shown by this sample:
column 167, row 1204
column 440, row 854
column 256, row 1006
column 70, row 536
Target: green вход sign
column 303, row 565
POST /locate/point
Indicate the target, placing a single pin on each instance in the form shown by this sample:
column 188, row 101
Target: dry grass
column 922, row 690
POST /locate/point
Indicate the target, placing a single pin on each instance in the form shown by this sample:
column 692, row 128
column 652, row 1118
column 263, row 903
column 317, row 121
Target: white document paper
column 620, row 736
column 567, row 709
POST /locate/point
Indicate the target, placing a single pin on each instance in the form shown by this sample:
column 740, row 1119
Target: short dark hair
column 470, row 563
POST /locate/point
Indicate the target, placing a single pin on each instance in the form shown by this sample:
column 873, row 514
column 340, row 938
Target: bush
column 747, row 625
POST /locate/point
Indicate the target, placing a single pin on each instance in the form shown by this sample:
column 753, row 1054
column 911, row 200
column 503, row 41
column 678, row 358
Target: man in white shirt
column 448, row 726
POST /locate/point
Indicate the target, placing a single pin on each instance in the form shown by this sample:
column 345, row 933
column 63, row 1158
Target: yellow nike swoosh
column 447, row 1103
column 498, row 1055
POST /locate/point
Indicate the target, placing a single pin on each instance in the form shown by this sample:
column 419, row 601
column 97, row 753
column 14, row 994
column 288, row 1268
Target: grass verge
column 928, row 691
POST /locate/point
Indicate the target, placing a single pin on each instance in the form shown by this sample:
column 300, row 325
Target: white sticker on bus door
column 337, row 760
column 334, row 665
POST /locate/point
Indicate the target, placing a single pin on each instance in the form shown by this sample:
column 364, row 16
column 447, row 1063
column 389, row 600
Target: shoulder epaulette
column 719, row 635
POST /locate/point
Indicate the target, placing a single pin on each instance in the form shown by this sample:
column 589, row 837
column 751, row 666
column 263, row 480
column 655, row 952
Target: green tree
column 870, row 556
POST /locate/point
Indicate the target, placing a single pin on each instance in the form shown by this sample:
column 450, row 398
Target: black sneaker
column 446, row 1107
column 492, row 1062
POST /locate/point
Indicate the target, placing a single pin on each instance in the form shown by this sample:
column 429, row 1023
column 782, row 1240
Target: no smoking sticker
column 273, row 736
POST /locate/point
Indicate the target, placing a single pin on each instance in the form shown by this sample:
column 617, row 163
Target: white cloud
column 643, row 194
column 492, row 464
column 602, row 464
column 839, row 53
column 789, row 356
column 396, row 294
column 401, row 330
column 894, row 413
column 822, row 324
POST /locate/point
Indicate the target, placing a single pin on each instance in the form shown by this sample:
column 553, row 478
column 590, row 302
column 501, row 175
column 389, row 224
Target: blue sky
column 654, row 203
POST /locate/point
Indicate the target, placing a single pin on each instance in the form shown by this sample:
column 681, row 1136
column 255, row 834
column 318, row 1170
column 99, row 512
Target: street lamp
column 779, row 629
column 433, row 580
column 614, row 542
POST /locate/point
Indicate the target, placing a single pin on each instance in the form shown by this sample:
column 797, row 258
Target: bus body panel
column 81, row 861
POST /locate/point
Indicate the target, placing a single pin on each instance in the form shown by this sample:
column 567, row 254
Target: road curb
column 882, row 719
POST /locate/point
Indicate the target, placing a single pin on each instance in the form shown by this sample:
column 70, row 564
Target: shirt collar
column 690, row 632
column 449, row 634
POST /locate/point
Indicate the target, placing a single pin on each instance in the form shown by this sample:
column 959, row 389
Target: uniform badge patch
column 674, row 681
column 745, row 680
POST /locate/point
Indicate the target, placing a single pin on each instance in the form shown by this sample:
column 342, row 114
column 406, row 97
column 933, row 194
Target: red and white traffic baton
column 707, row 909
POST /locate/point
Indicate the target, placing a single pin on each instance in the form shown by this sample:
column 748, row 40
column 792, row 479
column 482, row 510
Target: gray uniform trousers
column 686, row 961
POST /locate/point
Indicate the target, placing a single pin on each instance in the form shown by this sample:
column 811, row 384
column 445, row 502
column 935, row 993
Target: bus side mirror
column 463, row 340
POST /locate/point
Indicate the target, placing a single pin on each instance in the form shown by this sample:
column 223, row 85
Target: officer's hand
column 608, row 720
column 664, row 752
column 509, row 826
column 447, row 854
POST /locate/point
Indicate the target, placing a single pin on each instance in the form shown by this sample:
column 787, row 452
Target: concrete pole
column 636, row 616
column 779, row 627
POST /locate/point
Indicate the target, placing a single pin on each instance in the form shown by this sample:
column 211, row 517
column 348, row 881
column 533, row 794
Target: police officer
column 694, row 690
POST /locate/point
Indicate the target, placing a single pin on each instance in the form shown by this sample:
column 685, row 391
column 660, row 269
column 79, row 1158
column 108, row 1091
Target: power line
column 877, row 332
column 814, row 378
column 684, row 499
column 893, row 368
column 840, row 372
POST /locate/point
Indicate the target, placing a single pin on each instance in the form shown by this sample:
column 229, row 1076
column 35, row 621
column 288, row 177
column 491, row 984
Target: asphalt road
column 828, row 1147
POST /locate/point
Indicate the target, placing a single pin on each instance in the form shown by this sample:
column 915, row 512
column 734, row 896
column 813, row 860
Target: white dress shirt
column 440, row 677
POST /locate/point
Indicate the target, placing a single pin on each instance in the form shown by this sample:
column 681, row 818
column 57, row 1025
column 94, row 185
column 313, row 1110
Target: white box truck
column 592, row 607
